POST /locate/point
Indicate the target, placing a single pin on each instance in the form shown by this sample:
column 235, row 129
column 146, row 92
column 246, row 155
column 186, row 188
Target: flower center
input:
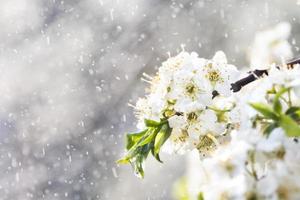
column 190, row 88
column 207, row 144
column 192, row 116
column 214, row 76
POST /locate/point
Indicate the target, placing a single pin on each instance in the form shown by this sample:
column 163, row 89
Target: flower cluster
column 244, row 129
column 262, row 159
column 250, row 167
column 187, row 98
column 183, row 92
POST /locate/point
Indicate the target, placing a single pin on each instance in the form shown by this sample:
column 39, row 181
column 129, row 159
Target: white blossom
column 271, row 46
column 220, row 74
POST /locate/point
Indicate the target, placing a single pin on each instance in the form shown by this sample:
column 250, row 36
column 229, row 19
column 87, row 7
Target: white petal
column 220, row 57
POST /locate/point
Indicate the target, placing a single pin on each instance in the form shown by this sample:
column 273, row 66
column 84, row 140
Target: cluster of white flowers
column 247, row 141
column 261, row 161
column 251, row 167
column 187, row 92
column 262, row 158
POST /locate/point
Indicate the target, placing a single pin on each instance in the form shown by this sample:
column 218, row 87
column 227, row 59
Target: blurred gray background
column 69, row 68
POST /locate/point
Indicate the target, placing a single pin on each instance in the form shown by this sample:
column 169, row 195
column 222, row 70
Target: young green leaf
column 124, row 160
column 134, row 150
column 156, row 156
column 276, row 103
column 140, row 144
column 290, row 127
column 265, row 110
column 200, row 196
column 132, row 138
column 294, row 113
column 138, row 166
column 138, row 163
column 148, row 137
column 161, row 137
column 295, row 116
column 292, row 110
column 277, row 106
column 151, row 123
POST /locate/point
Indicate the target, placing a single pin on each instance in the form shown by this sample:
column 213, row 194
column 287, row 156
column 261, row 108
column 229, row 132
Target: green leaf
column 151, row 123
column 156, row 156
column 276, row 103
column 200, row 196
column 138, row 166
column 132, row 138
column 132, row 141
column 265, row 110
column 124, row 160
column 294, row 113
column 272, row 91
column 140, row 158
column 290, row 127
column 139, row 144
column 277, row 106
column 130, row 154
column 295, row 116
column 148, row 137
column 292, row 110
column 161, row 137
column 163, row 134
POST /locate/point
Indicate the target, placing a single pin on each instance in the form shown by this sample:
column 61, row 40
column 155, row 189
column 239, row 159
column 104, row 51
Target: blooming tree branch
column 190, row 106
column 247, row 143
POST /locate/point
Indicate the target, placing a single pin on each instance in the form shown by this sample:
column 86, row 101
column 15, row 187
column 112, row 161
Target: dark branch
column 293, row 62
column 237, row 86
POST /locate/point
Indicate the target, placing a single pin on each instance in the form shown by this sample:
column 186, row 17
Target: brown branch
column 238, row 85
